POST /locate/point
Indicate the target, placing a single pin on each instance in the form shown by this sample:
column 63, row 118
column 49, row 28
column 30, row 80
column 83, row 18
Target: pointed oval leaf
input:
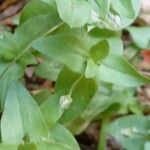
column 82, row 93
column 131, row 131
column 70, row 12
column 21, row 117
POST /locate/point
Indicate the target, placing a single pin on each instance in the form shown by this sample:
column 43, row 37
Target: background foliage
column 80, row 44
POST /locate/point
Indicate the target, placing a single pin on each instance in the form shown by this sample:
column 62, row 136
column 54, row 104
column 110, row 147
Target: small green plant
column 79, row 42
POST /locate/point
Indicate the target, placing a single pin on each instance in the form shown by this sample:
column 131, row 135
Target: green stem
column 103, row 134
column 74, row 84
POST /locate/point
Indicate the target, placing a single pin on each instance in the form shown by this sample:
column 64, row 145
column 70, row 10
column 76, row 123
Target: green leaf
column 21, row 117
column 41, row 96
column 143, row 42
column 104, row 6
column 91, row 69
column 35, row 8
column 118, row 14
column 82, row 90
column 48, row 70
column 99, row 51
column 8, row 147
column 131, row 131
column 77, row 126
column 8, row 46
column 50, row 2
column 113, row 14
column 14, row 46
column 103, row 33
column 104, row 100
column 69, row 49
column 41, row 27
column 62, row 84
column 118, row 71
column 124, row 12
column 63, row 136
column 8, row 74
column 21, row 45
column 51, row 109
column 47, row 146
column 27, row 147
column 73, row 12
column 124, row 8
column 115, row 69
column 147, row 146
column 39, row 146
column 99, row 103
column 59, row 139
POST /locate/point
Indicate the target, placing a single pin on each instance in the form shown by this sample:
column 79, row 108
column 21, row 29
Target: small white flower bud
column 65, row 101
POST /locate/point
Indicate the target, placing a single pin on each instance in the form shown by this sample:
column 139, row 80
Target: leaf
column 20, row 41
column 27, row 147
column 103, row 33
column 143, row 42
column 62, row 83
column 47, row 146
column 115, row 69
column 70, row 12
column 125, row 12
column 50, row 2
column 8, row 46
column 99, row 103
column 124, row 8
column 8, row 147
column 66, row 48
column 3, row 66
column 131, row 131
column 104, row 7
column 22, row 45
column 118, row 71
column 41, row 27
column 21, row 117
column 35, row 8
column 77, row 126
column 114, row 14
column 91, row 69
column 51, row 109
column 39, row 146
column 99, row 51
column 117, row 14
column 13, row 45
column 48, row 70
column 8, row 74
column 147, row 146
column 41, row 96
column 59, row 139
column 82, row 93
column 102, row 102
column 63, row 136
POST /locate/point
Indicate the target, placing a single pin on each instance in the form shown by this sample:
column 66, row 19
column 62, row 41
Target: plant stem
column 74, row 84
column 103, row 134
